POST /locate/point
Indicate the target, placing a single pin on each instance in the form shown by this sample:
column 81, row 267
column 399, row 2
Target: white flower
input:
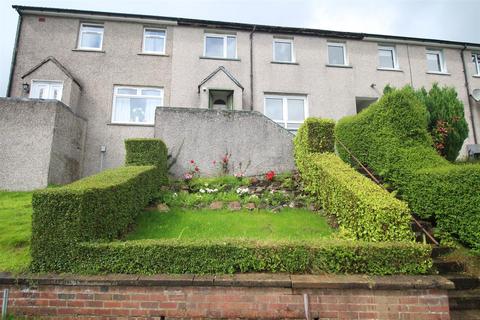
column 241, row 190
column 175, row 194
column 202, row 191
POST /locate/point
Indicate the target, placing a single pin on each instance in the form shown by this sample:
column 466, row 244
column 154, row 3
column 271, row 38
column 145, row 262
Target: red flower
column 214, row 162
column 191, row 161
column 197, row 169
column 270, row 175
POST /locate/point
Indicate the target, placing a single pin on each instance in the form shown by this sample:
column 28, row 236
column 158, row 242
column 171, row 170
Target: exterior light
column 26, row 88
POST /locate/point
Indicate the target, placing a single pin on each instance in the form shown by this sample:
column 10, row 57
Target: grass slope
column 288, row 224
column 15, row 230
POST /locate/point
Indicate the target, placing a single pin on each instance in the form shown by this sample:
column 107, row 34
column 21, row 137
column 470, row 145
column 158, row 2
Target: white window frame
column 285, row 98
column 50, row 82
column 139, row 89
column 476, row 57
column 394, row 56
column 225, row 50
column 164, row 40
column 439, row 52
column 80, row 32
column 292, row 50
column 345, row 57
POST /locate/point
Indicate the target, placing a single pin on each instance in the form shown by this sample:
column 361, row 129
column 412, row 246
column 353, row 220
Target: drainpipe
column 14, row 55
column 251, row 67
column 467, row 86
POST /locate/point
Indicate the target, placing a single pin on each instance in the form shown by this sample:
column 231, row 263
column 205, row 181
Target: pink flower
column 191, row 161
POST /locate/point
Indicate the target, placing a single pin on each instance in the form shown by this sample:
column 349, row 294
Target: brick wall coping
column 237, row 280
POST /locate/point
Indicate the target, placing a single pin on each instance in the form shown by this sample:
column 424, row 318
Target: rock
column 234, row 206
column 253, row 180
column 259, row 189
column 216, row 205
column 162, row 207
column 250, row 206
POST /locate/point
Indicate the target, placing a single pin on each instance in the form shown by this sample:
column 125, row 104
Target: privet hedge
column 363, row 210
column 201, row 257
column 147, row 152
column 391, row 137
column 97, row 207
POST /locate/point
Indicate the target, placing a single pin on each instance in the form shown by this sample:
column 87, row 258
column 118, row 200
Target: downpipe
column 306, row 306
column 5, row 304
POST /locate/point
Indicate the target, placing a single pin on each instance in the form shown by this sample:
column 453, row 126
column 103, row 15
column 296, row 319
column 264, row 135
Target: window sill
column 132, row 124
column 476, row 76
column 284, row 62
column 389, row 69
column 153, row 54
column 89, row 50
column 215, row 58
column 339, row 66
column 439, row 73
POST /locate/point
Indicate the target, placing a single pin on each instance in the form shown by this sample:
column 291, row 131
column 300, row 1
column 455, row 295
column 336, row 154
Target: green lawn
column 288, row 224
column 15, row 230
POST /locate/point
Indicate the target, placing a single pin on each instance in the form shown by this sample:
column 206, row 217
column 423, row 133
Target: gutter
column 14, row 54
column 251, row 67
column 467, row 86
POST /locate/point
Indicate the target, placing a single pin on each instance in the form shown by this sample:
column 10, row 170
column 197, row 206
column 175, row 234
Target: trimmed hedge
column 230, row 256
column 391, row 138
column 97, row 207
column 146, row 152
column 315, row 135
column 363, row 209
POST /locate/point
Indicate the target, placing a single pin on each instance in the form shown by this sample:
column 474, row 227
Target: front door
column 221, row 99
column 46, row 90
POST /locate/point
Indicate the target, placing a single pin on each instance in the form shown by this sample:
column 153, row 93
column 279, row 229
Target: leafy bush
column 200, row 257
column 392, row 139
column 98, row 207
column 146, row 152
column 363, row 209
column 315, row 135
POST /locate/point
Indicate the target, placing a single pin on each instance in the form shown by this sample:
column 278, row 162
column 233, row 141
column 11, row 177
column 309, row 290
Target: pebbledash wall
column 330, row 91
column 243, row 296
column 256, row 144
column 41, row 143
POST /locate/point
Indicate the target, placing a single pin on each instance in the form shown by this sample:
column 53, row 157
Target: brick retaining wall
column 241, row 296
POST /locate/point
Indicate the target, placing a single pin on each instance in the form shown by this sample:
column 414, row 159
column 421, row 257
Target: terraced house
column 114, row 69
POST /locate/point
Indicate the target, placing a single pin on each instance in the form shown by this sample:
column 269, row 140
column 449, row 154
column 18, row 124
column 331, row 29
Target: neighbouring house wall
column 205, row 135
column 66, row 157
column 242, row 296
column 41, row 142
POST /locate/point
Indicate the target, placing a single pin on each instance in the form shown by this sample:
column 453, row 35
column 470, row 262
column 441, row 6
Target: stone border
column 258, row 280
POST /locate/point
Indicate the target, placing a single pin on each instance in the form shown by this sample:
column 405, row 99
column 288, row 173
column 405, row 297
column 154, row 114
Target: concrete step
column 446, row 267
column 440, row 251
column 464, row 299
column 465, row 314
column 463, row 281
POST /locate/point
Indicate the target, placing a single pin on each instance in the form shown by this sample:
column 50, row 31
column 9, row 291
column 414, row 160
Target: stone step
column 463, row 281
column 440, row 251
column 464, row 299
column 446, row 267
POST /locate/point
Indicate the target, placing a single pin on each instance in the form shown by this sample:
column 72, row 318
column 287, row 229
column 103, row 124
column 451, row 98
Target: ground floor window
column 289, row 111
column 136, row 104
column 363, row 102
column 46, row 89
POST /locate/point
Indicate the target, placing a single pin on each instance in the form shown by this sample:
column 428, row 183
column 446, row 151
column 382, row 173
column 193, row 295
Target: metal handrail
column 382, row 186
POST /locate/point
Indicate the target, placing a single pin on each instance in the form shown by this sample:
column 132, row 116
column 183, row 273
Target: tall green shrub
column 363, row 209
column 391, row 137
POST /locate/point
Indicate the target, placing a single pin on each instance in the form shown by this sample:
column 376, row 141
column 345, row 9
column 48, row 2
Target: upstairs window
column 220, row 46
column 283, row 50
column 289, row 111
column 136, row 105
column 90, row 37
column 476, row 61
column 387, row 58
column 435, row 62
column 154, row 40
column 337, row 54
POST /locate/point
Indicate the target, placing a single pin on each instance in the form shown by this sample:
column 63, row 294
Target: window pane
column 386, row 58
column 231, row 47
column 151, row 92
column 283, row 51
column 433, row 62
column 335, row 55
column 91, row 40
column 274, row 108
column 90, row 28
column 296, row 110
column 154, row 44
column 127, row 91
column 152, row 32
column 214, row 47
